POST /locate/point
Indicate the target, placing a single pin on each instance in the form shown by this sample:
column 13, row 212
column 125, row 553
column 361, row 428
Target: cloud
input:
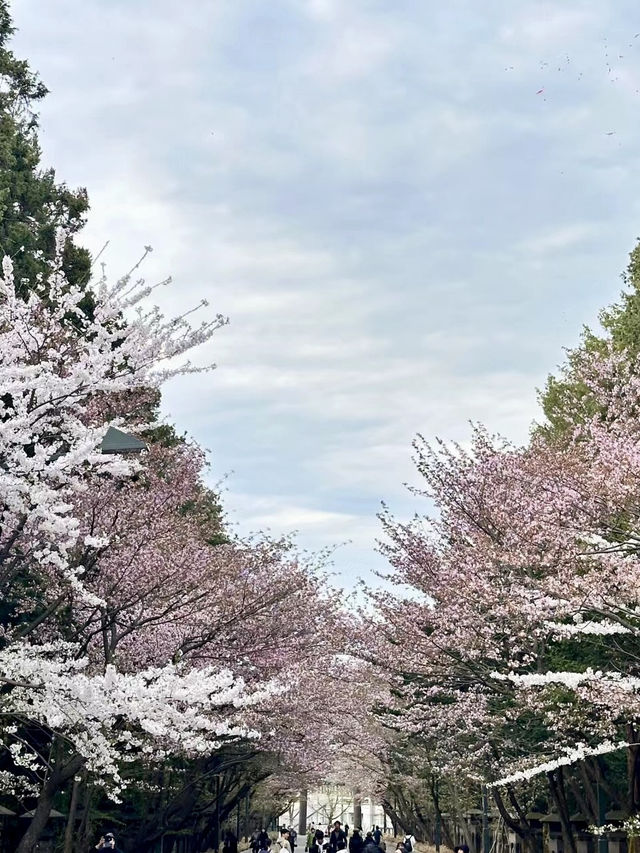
column 545, row 26
column 403, row 232
column 565, row 238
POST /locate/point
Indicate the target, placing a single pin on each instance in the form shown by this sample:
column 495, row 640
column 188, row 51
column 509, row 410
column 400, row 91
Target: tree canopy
column 565, row 399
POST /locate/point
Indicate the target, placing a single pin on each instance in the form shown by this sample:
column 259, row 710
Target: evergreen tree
column 565, row 394
column 32, row 203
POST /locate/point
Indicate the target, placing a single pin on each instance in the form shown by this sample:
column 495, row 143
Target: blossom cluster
column 135, row 627
column 516, row 655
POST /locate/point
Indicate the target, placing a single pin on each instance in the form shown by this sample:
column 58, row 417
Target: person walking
column 377, row 835
column 263, row 841
column 285, row 845
column 338, row 838
column 370, row 845
column 356, row 842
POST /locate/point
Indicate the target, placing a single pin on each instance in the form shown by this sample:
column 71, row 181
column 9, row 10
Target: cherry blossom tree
column 58, row 361
column 133, row 631
column 516, row 653
column 55, row 360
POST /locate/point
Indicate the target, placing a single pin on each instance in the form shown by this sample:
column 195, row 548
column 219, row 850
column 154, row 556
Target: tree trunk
column 38, row 822
column 53, row 784
column 393, row 815
column 556, row 784
column 600, row 774
column 85, row 830
column 435, row 796
column 71, row 819
column 590, row 792
column 357, row 810
column 45, row 803
column 521, row 825
column 302, row 815
column 421, row 831
column 580, row 796
column 633, row 767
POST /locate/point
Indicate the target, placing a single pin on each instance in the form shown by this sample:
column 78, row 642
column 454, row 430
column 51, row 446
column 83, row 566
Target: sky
column 406, row 208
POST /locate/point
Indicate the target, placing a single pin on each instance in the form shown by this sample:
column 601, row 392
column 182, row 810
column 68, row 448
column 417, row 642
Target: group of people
column 260, row 841
column 287, row 839
column 335, row 839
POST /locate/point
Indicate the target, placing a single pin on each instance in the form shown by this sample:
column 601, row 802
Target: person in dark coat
column 377, row 835
column 356, row 842
column 230, row 844
column 338, row 838
column 263, row 840
column 370, row 845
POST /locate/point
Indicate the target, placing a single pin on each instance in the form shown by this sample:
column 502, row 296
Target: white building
column 334, row 802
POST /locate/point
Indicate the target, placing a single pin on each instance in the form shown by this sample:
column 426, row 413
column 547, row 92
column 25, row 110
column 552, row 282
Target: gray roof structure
column 116, row 441
column 52, row 813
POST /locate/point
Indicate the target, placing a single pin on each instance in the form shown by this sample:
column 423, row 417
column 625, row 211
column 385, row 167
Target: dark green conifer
column 565, row 397
column 32, row 203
